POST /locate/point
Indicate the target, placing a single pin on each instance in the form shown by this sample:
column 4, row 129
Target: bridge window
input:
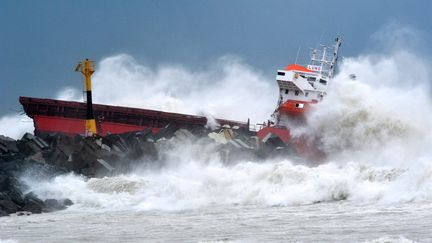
column 296, row 92
column 311, row 79
column 286, row 91
column 281, row 73
column 323, row 81
column 307, row 94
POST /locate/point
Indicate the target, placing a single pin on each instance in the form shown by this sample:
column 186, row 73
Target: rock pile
column 15, row 157
column 53, row 154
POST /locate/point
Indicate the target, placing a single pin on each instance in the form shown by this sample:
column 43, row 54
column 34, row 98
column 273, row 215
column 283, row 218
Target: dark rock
column 115, row 142
column 53, row 205
column 59, row 157
column 167, row 131
column 8, row 206
column 4, row 196
column 40, row 171
column 200, row 131
column 33, row 206
column 67, row 202
column 8, row 182
column 30, row 144
column 145, row 135
column 105, row 165
column 8, row 145
column 11, row 164
column 17, row 197
column 37, row 157
column 3, row 213
column 39, row 142
column 88, row 171
column 4, row 182
column 3, row 148
column 142, row 148
column 33, row 197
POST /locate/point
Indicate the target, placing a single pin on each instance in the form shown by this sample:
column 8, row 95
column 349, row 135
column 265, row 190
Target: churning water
column 376, row 185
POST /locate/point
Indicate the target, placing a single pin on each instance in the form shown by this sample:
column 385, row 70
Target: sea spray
column 371, row 122
column 192, row 184
column 15, row 125
column 226, row 88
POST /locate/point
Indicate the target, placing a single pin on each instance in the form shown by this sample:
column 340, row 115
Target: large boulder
column 8, row 206
column 16, row 196
column 7, row 145
column 67, row 202
column 53, row 205
column 4, row 196
column 33, row 206
column 3, row 213
column 31, row 157
column 4, row 181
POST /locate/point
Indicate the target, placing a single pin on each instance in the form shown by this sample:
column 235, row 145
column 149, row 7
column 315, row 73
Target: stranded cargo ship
column 300, row 87
column 69, row 117
column 72, row 118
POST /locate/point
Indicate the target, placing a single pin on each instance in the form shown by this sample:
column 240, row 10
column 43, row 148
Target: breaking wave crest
column 193, row 185
column 226, row 88
column 381, row 118
column 388, row 239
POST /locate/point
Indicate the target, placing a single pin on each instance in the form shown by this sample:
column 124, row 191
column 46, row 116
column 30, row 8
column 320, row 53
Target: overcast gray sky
column 41, row 41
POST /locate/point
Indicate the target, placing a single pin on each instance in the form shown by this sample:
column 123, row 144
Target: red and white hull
column 300, row 88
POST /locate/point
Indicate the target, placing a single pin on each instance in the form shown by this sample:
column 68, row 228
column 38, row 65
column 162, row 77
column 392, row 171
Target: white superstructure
column 301, row 86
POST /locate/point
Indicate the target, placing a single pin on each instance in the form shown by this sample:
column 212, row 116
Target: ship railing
column 255, row 127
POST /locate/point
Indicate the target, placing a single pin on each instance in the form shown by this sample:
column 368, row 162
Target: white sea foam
column 192, row 184
column 15, row 125
column 388, row 239
column 383, row 117
column 227, row 88
column 8, row 241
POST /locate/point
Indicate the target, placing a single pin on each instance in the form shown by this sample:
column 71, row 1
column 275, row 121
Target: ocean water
column 374, row 186
column 324, row 222
column 246, row 202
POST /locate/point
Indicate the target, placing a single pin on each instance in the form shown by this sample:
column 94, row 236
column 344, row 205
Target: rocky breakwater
column 14, row 161
column 49, row 155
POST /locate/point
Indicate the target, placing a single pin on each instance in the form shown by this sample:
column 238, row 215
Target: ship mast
column 335, row 56
column 325, row 64
column 86, row 67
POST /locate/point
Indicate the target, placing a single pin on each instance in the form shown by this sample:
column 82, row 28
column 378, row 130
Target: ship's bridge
column 296, row 77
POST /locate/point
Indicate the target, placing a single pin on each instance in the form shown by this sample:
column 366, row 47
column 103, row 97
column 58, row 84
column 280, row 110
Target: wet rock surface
column 17, row 157
column 49, row 155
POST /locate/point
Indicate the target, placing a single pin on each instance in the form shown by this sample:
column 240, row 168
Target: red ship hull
column 68, row 117
column 305, row 146
column 72, row 126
